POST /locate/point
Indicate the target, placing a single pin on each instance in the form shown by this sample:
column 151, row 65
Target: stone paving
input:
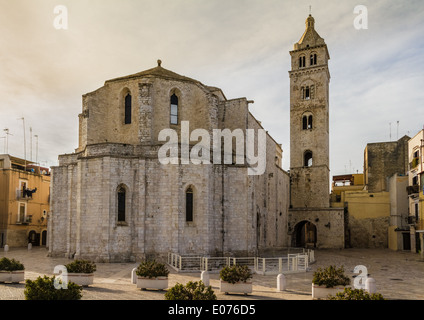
column 398, row 275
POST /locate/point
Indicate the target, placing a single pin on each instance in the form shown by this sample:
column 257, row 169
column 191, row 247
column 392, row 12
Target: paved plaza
column 398, row 276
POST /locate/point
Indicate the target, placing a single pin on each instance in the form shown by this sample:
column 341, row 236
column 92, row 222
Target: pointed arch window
column 122, row 195
column 189, row 204
column 307, row 159
column 307, row 122
column 128, row 108
column 174, row 109
column 307, row 92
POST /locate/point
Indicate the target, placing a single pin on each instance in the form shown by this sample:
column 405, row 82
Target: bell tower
column 309, row 121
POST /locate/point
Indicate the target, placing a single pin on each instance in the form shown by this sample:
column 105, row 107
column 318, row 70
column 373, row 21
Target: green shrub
column 10, row 265
column 191, row 291
column 330, row 277
column 236, row 273
column 152, row 269
column 356, row 294
column 81, row 266
column 43, row 289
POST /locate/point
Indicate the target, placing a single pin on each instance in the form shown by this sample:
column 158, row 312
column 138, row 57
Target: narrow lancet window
column 174, row 109
column 121, row 204
column 313, row 59
column 128, row 109
column 189, row 205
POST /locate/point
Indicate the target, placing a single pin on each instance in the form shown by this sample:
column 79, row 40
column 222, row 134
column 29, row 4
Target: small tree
column 356, row 294
column 152, row 269
column 44, row 289
column 236, row 273
column 330, row 277
column 191, row 291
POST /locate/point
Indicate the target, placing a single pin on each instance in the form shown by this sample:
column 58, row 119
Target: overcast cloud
column 241, row 46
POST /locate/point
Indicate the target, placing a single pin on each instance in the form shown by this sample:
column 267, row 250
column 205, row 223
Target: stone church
column 113, row 200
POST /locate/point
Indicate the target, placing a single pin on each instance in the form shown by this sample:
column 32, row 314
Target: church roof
column 158, row 71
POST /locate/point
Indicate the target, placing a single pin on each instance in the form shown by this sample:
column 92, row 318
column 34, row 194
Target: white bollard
column 6, row 248
column 134, row 276
column 29, row 246
column 281, row 282
column 205, row 278
column 370, row 285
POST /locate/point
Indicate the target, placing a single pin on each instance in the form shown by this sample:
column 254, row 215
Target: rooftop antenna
column 36, row 151
column 30, row 142
column 390, row 135
column 7, row 139
column 23, row 122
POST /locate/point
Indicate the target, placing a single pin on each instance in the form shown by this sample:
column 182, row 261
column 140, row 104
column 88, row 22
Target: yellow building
column 342, row 183
column 24, row 202
column 373, row 219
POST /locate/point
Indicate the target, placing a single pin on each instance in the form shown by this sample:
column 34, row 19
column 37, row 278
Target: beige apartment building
column 415, row 191
column 24, row 202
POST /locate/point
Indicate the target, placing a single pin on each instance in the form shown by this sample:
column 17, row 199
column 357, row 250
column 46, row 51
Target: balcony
column 25, row 194
column 25, row 220
column 413, row 190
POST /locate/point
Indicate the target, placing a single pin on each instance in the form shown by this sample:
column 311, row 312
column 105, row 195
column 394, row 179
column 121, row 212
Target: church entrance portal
column 305, row 235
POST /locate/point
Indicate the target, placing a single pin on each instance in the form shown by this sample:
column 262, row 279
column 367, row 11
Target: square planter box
column 81, row 279
column 159, row 283
column 12, row 277
column 323, row 292
column 239, row 287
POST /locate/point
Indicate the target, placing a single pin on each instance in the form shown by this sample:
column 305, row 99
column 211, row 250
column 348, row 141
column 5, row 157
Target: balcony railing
column 25, row 194
column 413, row 189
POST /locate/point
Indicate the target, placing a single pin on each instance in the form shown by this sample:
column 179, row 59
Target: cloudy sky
column 241, row 46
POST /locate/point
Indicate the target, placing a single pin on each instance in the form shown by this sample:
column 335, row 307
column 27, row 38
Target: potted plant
column 81, row 272
column 191, row 291
column 152, row 275
column 328, row 281
column 11, row 270
column 235, row 279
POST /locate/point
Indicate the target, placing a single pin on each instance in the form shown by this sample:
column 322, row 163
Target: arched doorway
column 305, row 235
column 34, row 238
